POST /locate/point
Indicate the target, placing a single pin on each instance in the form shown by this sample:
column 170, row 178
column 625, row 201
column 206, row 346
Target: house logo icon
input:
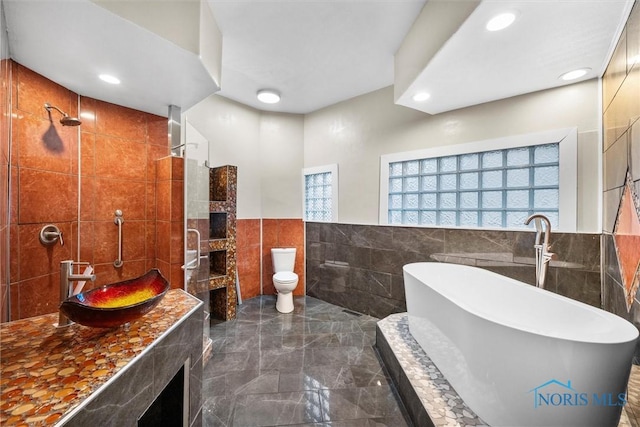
column 557, row 393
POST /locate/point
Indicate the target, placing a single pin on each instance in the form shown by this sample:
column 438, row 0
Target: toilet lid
column 285, row 276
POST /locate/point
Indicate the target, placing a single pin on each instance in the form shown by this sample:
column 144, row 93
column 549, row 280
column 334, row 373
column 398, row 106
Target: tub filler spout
column 542, row 247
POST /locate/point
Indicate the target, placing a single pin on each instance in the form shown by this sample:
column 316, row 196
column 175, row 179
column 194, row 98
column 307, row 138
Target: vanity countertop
column 47, row 373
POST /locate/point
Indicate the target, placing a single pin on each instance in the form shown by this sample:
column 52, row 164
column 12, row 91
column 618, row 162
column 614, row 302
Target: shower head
column 66, row 120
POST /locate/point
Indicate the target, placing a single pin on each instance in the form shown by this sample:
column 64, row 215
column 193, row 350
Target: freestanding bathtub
column 518, row 355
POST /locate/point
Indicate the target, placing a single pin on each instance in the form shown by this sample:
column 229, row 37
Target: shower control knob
column 50, row 234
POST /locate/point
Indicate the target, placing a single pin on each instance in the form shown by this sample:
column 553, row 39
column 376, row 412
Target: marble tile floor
column 313, row 367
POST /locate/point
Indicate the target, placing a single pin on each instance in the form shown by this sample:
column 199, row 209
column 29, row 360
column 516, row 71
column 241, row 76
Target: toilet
column 284, row 279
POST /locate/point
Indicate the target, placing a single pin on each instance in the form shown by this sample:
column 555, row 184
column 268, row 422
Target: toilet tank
column 283, row 259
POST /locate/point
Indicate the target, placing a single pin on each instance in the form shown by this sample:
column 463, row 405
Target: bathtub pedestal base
column 427, row 395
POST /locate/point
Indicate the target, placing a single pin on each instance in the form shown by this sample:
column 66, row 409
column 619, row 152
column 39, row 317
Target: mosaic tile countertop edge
column 46, row 374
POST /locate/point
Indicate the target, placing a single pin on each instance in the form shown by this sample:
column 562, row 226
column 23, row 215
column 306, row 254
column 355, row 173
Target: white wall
column 281, row 159
column 266, row 148
column 354, row 134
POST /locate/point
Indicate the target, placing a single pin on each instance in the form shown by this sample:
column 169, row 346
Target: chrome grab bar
column 190, row 265
column 118, row 220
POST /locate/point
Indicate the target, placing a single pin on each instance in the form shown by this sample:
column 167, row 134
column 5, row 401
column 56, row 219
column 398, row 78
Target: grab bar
column 118, row 220
column 189, row 265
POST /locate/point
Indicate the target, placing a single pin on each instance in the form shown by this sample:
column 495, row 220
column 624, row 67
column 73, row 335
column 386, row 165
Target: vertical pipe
column 66, row 268
column 174, row 130
column 79, row 179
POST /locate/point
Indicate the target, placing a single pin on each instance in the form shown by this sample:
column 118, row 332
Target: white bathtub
column 516, row 354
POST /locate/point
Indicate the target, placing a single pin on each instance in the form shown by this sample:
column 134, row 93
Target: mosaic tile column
column 222, row 241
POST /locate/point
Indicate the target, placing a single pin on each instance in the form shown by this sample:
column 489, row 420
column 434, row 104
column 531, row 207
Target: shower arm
column 49, row 107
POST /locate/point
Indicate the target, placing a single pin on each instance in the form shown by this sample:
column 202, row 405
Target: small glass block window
column 318, row 196
column 496, row 189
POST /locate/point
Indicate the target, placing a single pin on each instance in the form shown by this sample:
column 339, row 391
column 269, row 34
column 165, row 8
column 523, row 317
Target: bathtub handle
column 118, row 220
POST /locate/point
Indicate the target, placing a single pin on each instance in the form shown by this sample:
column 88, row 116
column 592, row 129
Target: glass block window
column 320, row 193
column 491, row 189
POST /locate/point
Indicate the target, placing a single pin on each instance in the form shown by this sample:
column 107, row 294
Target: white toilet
column 284, row 279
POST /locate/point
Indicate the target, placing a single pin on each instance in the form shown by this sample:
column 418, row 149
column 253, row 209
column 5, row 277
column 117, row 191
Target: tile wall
column 170, row 219
column 281, row 233
column 248, row 253
column 117, row 170
column 5, row 106
column 621, row 176
column 360, row 266
column 255, row 238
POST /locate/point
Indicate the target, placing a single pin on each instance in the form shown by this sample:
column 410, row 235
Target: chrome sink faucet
column 67, row 277
column 542, row 247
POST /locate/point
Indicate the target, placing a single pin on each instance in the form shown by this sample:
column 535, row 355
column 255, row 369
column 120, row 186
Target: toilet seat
column 285, row 277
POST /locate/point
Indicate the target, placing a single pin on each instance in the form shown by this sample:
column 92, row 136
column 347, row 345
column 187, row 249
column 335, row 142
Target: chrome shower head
column 66, row 120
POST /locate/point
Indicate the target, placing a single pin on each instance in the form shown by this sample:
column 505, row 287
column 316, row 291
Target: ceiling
column 314, row 52
column 547, row 39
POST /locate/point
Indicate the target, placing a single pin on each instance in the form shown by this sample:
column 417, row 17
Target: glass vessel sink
column 117, row 303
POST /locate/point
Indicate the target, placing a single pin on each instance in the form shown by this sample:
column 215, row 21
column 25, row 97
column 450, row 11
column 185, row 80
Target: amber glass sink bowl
column 117, row 303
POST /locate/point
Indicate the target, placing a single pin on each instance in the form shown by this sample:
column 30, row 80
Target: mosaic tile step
column 427, row 386
column 47, row 373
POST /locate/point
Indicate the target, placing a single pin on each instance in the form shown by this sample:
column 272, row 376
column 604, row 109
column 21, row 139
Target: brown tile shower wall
column 280, row 233
column 359, row 267
column 119, row 147
column 170, row 219
column 621, row 110
column 5, row 69
column 248, row 256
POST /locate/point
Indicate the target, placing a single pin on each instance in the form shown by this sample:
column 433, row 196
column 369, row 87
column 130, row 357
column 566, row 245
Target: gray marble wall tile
column 355, row 256
column 314, row 251
column 374, row 282
column 464, row 241
column 392, row 261
column 195, row 390
column 371, row 236
column 579, row 285
column 124, row 401
column 414, row 239
column 611, row 266
column 360, row 266
column 523, row 245
column 172, row 352
column 312, row 232
column 342, row 233
column 197, row 420
column 524, row 273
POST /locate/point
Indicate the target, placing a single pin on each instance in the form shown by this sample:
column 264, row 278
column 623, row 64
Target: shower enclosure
column 196, row 205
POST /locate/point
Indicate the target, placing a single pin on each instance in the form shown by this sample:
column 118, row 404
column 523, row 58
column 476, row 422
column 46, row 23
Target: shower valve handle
column 49, row 234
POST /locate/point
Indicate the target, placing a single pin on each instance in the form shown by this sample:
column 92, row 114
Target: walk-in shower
column 66, row 120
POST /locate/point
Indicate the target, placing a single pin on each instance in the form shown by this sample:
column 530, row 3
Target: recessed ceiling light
column 575, row 74
column 109, row 79
column 421, row 96
column 268, row 96
column 501, row 21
